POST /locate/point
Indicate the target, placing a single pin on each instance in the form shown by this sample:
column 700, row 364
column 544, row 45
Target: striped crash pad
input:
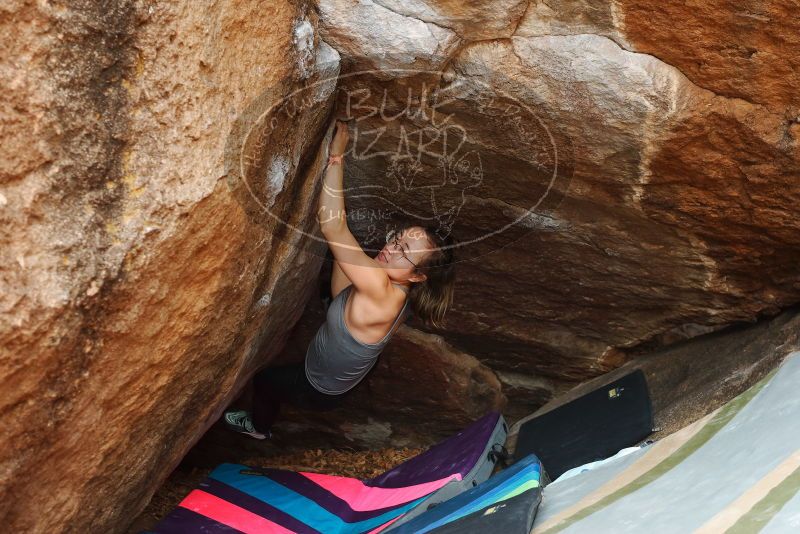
column 237, row 498
column 737, row 470
column 505, row 503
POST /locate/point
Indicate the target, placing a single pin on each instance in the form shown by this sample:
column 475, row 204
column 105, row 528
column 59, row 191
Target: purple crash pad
column 458, row 453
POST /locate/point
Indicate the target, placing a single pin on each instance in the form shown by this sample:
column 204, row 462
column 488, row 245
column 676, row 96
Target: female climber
column 372, row 296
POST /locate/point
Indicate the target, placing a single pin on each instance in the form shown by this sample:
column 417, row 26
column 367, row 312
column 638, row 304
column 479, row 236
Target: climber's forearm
column 330, row 211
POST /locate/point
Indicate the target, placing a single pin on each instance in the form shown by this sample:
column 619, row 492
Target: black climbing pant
column 274, row 385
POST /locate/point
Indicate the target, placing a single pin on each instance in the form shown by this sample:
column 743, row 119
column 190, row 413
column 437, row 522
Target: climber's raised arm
column 366, row 275
column 384, row 290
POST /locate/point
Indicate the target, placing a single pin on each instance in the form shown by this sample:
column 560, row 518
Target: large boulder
column 617, row 180
column 620, row 175
column 137, row 281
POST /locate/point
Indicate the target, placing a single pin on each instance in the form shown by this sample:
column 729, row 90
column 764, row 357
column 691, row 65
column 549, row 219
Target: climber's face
column 403, row 251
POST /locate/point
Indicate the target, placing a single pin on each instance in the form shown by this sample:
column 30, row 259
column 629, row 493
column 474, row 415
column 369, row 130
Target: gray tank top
column 335, row 360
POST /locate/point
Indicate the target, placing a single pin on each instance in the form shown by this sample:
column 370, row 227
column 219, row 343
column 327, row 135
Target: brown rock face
column 615, row 178
column 135, row 284
column 736, row 50
column 747, row 51
column 619, row 175
column 410, row 42
column 471, row 19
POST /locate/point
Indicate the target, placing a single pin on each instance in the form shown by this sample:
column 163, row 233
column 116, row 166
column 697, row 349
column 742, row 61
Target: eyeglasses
column 394, row 238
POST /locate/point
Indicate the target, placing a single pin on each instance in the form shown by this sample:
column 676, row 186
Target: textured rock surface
column 384, row 39
column 135, row 285
column 737, row 50
column 625, row 175
column 469, row 19
column 669, row 144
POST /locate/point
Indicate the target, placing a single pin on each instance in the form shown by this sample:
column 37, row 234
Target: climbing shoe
column 240, row 421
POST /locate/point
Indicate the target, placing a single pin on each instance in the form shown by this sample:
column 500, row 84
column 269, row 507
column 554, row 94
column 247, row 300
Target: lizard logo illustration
column 442, row 181
column 423, row 150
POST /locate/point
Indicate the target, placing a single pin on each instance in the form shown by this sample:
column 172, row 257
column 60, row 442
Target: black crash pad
column 589, row 428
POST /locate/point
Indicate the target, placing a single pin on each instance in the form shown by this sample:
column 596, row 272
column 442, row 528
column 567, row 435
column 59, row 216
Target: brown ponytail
column 432, row 298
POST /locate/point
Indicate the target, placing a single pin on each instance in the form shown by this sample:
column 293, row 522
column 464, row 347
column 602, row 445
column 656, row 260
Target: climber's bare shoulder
column 353, row 265
column 368, row 321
